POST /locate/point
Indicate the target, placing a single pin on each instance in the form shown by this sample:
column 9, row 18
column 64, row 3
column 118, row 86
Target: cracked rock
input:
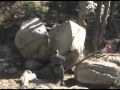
column 96, row 72
column 27, row 76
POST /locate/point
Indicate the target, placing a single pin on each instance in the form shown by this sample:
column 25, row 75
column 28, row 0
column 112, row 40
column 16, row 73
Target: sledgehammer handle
column 82, row 60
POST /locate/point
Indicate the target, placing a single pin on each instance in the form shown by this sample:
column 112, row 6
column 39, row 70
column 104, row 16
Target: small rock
column 42, row 87
column 113, row 87
column 117, row 81
column 27, row 76
column 113, row 59
column 2, row 67
column 12, row 70
column 23, row 87
column 78, row 87
column 5, row 64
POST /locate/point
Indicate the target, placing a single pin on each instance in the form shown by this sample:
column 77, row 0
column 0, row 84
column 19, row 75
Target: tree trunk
column 110, row 20
column 103, row 24
column 81, row 13
column 112, row 8
column 97, row 25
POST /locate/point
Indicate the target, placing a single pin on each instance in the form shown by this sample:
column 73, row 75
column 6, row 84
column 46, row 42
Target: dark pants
column 58, row 71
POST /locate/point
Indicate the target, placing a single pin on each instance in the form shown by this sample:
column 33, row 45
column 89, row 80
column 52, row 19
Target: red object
column 108, row 48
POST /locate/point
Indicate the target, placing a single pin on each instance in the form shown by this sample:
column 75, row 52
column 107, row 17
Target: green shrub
column 30, row 6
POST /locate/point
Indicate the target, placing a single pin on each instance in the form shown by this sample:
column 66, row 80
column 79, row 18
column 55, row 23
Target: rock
column 42, row 87
column 78, row 87
column 32, row 40
column 113, row 87
column 69, row 39
column 96, row 72
column 12, row 70
column 117, row 81
column 114, row 59
column 27, row 76
column 23, row 87
column 32, row 64
column 5, row 64
column 2, row 68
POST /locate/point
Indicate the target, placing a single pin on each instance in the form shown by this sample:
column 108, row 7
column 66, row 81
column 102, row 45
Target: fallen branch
column 82, row 60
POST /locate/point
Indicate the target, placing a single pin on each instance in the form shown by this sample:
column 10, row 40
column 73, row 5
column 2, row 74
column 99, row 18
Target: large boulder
column 69, row 39
column 97, row 72
column 32, row 40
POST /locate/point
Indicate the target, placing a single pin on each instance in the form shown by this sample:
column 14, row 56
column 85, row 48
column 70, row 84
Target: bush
column 30, row 6
column 12, row 14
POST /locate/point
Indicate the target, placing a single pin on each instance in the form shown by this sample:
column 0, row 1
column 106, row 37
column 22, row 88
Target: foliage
column 28, row 7
column 91, row 6
column 33, row 5
column 13, row 13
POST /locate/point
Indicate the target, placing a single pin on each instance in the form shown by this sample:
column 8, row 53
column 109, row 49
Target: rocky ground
column 71, row 83
column 40, row 84
column 12, row 67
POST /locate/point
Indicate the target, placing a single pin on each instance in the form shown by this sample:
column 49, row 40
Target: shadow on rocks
column 72, row 82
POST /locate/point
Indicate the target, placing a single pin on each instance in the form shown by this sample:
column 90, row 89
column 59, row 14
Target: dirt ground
column 14, row 83
column 12, row 67
column 70, row 83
